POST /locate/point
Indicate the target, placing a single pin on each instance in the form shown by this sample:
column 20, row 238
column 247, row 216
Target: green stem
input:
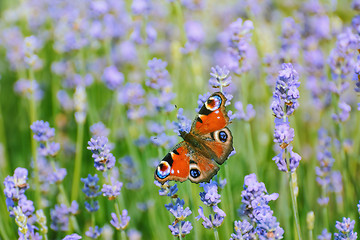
column 33, row 143
column 180, row 20
column 229, row 198
column 251, row 147
column 324, row 210
column 73, row 220
column 310, row 234
column 180, row 237
column 78, row 158
column 117, row 209
column 123, row 235
column 216, row 234
column 294, row 207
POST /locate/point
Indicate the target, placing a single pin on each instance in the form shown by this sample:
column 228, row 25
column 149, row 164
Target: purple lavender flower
column 73, row 236
column 14, row 191
column 219, row 77
column 112, row 191
column 91, row 189
column 99, row 129
column 243, row 230
column 269, row 228
column 103, row 159
column 341, row 59
column 178, row 203
column 255, row 201
column 239, row 35
column 336, row 185
column 164, row 140
column 346, row 230
column 93, row 233
column 210, row 196
column 283, row 134
column 141, row 7
column 214, row 221
column 290, row 38
column 27, row 88
column 167, row 189
column 112, row 77
column 42, row 131
column 185, row 228
column 122, row 222
column 162, row 101
column 344, row 113
column 60, row 216
column 195, row 35
column 193, row 5
column 281, row 160
column 286, row 94
column 130, row 173
column 325, row 235
column 158, row 76
column 49, row 149
column 241, row 115
column 179, row 212
column 183, row 124
column 132, row 94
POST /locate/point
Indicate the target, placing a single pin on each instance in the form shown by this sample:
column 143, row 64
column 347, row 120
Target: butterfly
column 207, row 145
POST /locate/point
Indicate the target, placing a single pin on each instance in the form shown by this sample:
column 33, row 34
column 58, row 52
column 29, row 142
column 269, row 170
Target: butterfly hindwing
column 220, row 144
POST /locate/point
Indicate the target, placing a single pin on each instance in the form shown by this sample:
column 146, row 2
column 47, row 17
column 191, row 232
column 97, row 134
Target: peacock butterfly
column 207, row 145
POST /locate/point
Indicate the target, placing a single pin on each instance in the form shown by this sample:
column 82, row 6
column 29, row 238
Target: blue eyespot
column 163, row 170
column 223, row 136
column 194, row 173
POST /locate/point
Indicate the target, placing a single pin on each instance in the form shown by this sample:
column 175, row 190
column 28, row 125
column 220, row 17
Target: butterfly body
column 207, row 145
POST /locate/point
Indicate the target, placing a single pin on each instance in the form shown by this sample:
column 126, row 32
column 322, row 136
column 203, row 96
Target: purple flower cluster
column 330, row 180
column 183, row 124
column 255, row 206
column 285, row 102
column 239, row 36
column 343, row 114
column 91, row 190
column 93, row 232
column 112, row 77
column 73, row 236
column 14, row 190
column 161, row 138
column 341, row 59
column 130, row 173
column 241, row 114
column 99, row 129
column 103, row 159
column 27, row 88
column 290, row 40
column 179, row 227
column 60, row 216
column 195, row 36
column 220, row 77
column 211, row 198
column 325, row 235
column 43, row 134
column 133, row 95
column 113, row 190
column 286, row 94
column 120, row 222
column 346, row 230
